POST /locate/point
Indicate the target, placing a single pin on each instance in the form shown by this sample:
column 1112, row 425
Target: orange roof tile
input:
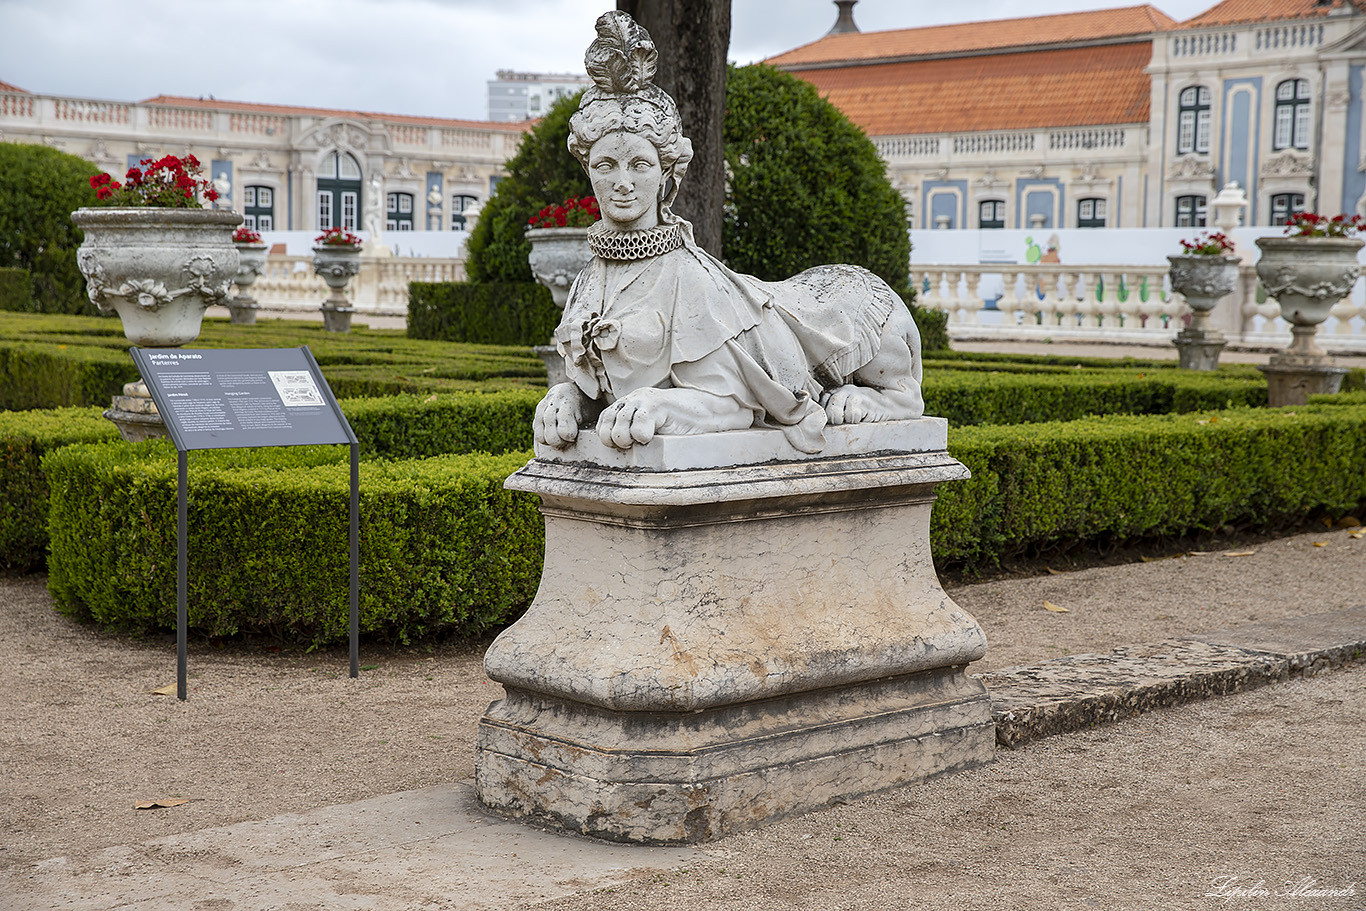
column 1052, row 88
column 939, row 40
column 1231, row 12
column 285, row 110
column 6, row 87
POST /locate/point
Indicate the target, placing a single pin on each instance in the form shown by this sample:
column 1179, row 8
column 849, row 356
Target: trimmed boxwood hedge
column 24, row 439
column 397, row 427
column 446, row 549
column 486, row 313
column 1125, row 476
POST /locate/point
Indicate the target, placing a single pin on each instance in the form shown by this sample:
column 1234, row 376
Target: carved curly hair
column 622, row 62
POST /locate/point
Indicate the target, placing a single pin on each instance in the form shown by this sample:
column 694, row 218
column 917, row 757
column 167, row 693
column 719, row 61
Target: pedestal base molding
column 712, row 648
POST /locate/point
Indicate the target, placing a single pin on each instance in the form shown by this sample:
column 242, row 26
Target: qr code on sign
column 296, row 388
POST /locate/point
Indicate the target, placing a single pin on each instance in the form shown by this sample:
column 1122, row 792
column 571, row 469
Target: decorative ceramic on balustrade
column 557, row 257
column 251, row 263
column 1308, row 275
column 158, row 268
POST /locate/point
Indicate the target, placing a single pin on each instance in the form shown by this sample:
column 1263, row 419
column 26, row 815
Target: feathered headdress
column 622, row 59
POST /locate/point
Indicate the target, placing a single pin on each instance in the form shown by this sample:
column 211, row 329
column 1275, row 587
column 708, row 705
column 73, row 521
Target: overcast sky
column 423, row 57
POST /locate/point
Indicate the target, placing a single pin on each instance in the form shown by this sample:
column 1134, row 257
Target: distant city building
column 515, row 97
column 287, row 168
column 1110, row 118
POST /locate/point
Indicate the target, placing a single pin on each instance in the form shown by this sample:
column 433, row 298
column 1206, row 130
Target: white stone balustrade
column 288, row 283
column 1132, row 304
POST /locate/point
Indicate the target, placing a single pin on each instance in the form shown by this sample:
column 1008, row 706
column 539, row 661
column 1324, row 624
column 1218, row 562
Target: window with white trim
column 1091, row 212
column 258, row 208
column 324, row 210
column 1292, row 115
column 1284, row 205
column 459, row 204
column 398, row 212
column 1190, row 211
column 1193, row 123
column 991, row 213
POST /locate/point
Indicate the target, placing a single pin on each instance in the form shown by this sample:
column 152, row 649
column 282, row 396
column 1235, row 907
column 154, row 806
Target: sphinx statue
column 660, row 337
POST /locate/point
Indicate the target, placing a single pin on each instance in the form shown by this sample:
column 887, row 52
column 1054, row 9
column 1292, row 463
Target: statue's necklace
column 629, row 245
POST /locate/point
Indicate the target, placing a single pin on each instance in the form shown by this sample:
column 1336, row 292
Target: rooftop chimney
column 845, row 23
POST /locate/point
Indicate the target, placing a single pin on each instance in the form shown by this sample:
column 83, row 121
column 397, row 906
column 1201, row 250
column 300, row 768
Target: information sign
column 231, row 398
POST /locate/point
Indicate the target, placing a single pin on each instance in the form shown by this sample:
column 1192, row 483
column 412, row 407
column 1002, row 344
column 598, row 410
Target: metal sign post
column 236, row 398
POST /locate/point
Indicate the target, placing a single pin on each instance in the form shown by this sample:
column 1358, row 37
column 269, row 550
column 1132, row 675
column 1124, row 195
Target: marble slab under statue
column 739, row 617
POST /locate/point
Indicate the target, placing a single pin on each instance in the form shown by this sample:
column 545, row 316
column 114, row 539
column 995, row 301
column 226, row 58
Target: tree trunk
column 692, row 38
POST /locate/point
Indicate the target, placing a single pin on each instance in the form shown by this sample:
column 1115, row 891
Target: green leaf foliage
column 1126, row 477
column 16, row 289
column 444, row 548
column 542, row 172
column 24, row 439
column 494, row 313
column 807, row 187
column 39, row 189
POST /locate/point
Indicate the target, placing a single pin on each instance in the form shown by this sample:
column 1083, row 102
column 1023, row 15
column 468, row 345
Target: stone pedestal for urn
column 728, row 631
column 1307, row 276
column 557, row 257
column 251, row 263
column 337, row 264
column 159, row 269
column 1203, row 281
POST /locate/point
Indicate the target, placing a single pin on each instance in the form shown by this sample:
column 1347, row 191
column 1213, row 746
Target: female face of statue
column 626, row 176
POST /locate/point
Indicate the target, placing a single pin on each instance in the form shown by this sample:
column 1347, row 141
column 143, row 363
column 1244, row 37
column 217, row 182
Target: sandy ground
column 1269, row 784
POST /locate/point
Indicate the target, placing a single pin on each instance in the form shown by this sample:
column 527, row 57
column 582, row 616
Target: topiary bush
column 39, row 189
column 492, row 313
column 806, row 185
column 542, row 172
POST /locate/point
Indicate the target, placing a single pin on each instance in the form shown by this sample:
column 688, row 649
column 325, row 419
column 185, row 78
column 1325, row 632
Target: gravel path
column 1269, row 784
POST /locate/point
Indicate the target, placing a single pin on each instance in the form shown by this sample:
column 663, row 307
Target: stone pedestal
column 135, row 414
column 242, row 310
column 1301, row 370
column 1292, row 384
column 713, row 648
column 1198, row 349
column 336, row 318
column 554, row 364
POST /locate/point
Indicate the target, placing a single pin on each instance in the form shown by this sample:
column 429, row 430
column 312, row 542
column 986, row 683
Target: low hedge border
column 1125, row 477
column 24, row 439
column 490, row 313
column 397, row 427
column 446, row 550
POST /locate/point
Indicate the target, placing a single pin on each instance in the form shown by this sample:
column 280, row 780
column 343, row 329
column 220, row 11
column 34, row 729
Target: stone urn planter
column 337, row 263
column 158, row 268
column 557, row 257
column 1307, row 276
column 251, row 263
column 1203, row 280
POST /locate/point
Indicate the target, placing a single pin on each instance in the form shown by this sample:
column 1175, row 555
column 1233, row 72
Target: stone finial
column 845, row 22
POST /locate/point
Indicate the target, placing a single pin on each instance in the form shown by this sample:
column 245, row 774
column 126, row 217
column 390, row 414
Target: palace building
column 1111, row 118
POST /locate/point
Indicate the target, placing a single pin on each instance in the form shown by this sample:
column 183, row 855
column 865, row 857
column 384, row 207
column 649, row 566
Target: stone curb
column 1081, row 691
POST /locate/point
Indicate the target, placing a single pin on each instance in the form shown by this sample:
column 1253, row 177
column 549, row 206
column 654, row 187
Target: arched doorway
column 339, row 192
